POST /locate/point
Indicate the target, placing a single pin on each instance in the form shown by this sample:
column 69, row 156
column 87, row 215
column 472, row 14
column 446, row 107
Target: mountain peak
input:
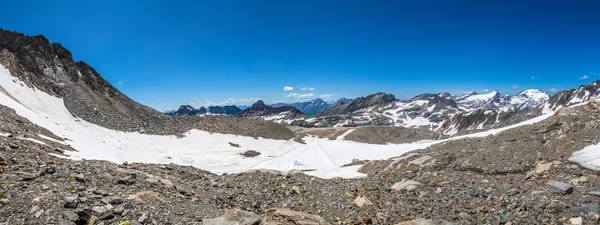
column 258, row 105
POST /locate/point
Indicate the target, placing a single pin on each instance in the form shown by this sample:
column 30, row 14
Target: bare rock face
column 235, row 217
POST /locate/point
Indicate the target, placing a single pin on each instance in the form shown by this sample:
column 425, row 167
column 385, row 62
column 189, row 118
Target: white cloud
column 486, row 90
column 307, row 89
column 120, row 83
column 585, row 77
column 515, row 86
column 326, row 95
column 288, row 88
column 553, row 90
column 533, row 77
column 300, row 96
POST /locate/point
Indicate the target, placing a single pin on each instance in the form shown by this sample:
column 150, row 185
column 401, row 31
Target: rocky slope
column 50, row 68
column 277, row 114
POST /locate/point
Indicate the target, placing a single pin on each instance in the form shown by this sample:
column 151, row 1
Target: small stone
column 70, row 216
column 595, row 193
column 100, row 192
column 576, row 221
column 51, row 170
column 294, row 172
column 13, row 145
column 127, row 180
column 256, row 204
column 512, row 191
column 80, row 177
column 71, row 202
column 135, row 222
column 119, row 210
column 92, row 220
column 106, row 216
column 559, row 187
column 387, row 188
column 361, row 201
column 38, row 213
column 28, row 176
column 295, row 190
column 4, row 201
column 116, row 201
column 382, row 216
column 99, row 209
column 576, row 181
column 142, row 218
column 45, row 187
column 543, row 167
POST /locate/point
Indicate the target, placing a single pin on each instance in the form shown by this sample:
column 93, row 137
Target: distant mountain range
column 308, row 108
column 446, row 113
column 212, row 110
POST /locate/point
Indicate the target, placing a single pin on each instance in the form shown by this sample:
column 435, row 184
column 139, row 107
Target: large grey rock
column 295, row 217
column 71, row 202
column 425, row 222
column 235, row 217
column 559, row 187
column 406, row 185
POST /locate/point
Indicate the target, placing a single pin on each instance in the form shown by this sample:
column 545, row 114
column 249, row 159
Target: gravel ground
column 394, row 135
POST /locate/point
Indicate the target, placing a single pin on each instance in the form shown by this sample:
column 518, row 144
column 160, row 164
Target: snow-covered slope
column 529, row 99
column 438, row 112
column 572, row 97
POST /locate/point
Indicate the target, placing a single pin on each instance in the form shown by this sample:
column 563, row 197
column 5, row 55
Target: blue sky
column 167, row 53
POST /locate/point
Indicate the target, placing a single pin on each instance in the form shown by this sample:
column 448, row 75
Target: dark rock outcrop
column 259, row 109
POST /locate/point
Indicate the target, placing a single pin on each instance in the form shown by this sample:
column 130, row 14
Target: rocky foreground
column 520, row 176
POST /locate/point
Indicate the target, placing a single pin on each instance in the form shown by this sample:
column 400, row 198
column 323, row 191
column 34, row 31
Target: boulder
column 235, row 217
column 559, row 187
column 295, row 217
column 425, row 222
column 405, row 185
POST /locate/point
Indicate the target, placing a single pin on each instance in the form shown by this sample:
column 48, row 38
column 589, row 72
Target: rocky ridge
column 50, row 68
